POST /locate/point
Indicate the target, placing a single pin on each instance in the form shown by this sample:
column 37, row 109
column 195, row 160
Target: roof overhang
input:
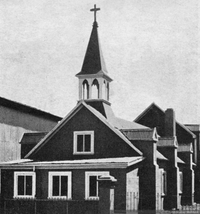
column 102, row 163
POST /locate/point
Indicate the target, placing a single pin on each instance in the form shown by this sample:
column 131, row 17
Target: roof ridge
column 25, row 108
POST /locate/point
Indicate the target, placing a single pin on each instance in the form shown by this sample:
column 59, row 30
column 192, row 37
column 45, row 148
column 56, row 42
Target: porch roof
column 120, row 162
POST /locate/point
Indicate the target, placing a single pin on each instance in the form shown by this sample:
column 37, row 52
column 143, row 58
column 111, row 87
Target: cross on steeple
column 95, row 11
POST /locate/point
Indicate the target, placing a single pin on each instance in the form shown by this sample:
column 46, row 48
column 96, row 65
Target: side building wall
column 13, row 123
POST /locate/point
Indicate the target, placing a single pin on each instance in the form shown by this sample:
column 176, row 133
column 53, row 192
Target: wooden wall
column 13, row 124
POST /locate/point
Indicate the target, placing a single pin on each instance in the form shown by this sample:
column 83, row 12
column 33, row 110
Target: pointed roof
column 154, row 106
column 69, row 116
column 93, row 62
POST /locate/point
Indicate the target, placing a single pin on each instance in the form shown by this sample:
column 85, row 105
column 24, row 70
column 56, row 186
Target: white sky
column 151, row 50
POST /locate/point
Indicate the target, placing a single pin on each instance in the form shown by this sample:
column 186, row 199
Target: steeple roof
column 93, row 62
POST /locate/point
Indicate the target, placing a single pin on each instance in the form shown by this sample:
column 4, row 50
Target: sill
column 59, row 198
column 24, row 197
column 83, row 153
column 92, row 199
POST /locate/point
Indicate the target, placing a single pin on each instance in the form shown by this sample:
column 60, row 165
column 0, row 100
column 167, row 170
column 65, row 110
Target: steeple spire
column 93, row 75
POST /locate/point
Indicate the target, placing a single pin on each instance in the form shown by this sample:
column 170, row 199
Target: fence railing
column 46, row 206
column 135, row 202
column 132, row 205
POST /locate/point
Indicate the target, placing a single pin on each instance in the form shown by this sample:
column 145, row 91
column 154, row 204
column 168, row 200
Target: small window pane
column 64, row 184
column 93, row 186
column 55, row 185
column 20, row 185
column 87, row 143
column 79, row 143
column 28, row 185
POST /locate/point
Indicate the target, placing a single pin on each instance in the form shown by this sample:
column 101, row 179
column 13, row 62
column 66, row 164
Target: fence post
column 4, row 207
column 67, row 207
column 35, row 206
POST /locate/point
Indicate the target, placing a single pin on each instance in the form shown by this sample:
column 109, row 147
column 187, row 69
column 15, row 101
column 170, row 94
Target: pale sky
column 151, row 50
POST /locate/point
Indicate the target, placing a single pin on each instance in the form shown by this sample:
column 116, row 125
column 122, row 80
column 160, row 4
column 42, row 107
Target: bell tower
column 93, row 77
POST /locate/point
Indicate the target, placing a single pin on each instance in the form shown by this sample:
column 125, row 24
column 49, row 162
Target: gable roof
column 80, row 105
column 153, row 105
column 27, row 109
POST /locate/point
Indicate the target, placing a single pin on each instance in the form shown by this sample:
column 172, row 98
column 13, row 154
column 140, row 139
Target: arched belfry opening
column 95, row 89
column 85, row 90
column 108, row 92
column 104, row 90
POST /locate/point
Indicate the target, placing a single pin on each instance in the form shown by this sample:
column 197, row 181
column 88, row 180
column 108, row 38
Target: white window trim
column 180, row 177
column 76, row 133
column 69, row 188
column 87, row 175
column 163, row 182
column 16, row 175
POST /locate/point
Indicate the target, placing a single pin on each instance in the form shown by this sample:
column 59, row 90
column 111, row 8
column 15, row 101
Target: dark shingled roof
column 32, row 137
column 27, row 109
column 167, row 142
column 141, row 134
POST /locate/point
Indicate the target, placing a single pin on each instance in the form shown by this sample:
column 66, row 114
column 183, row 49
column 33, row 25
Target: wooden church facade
column 151, row 159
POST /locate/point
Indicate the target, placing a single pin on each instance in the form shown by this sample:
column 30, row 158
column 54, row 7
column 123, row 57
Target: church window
column 60, row 185
column 95, row 89
column 164, row 182
column 180, row 182
column 84, row 142
column 85, row 90
column 91, row 184
column 24, row 184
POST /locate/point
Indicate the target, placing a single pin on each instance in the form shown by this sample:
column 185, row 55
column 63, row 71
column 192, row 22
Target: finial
column 95, row 11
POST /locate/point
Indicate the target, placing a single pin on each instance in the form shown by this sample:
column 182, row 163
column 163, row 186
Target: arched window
column 85, row 90
column 104, row 90
column 108, row 91
column 95, row 89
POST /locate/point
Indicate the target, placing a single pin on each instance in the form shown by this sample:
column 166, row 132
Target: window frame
column 87, row 185
column 163, row 182
column 180, row 182
column 24, row 173
column 76, row 134
column 69, row 184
